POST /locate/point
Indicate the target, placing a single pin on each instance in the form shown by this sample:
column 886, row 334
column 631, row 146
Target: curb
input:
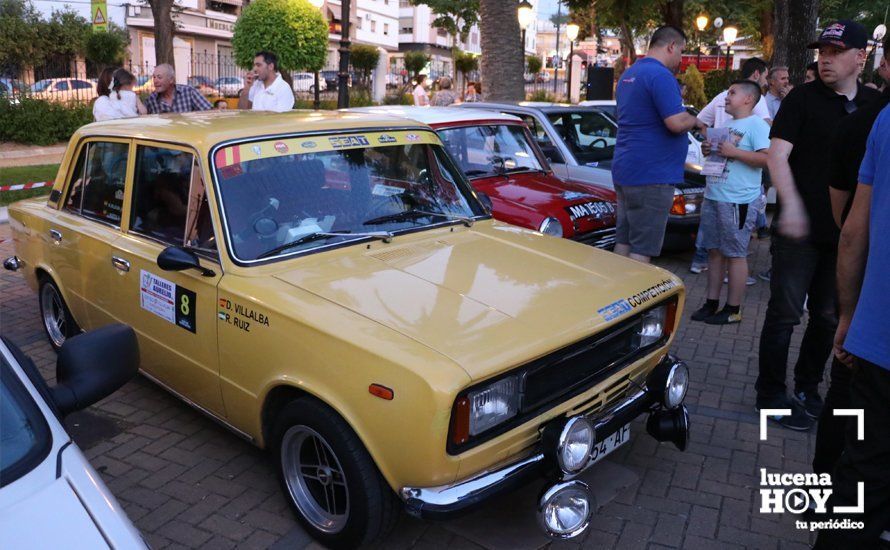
column 32, row 152
column 4, row 215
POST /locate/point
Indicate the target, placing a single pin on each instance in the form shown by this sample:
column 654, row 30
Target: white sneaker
column 695, row 268
column 750, row 281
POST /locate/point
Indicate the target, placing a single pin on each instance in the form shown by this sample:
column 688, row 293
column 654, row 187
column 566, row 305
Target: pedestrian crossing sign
column 100, row 15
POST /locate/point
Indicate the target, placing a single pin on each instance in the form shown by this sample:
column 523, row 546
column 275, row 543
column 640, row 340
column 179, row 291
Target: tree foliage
column 695, row 87
column 107, row 48
column 534, row 64
column 21, row 39
column 456, row 17
column 67, row 32
column 415, row 63
column 292, row 29
column 364, row 60
column 465, row 63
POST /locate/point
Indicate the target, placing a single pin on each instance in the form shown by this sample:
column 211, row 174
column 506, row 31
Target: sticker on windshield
column 592, row 164
column 168, row 300
column 348, row 141
column 381, row 190
column 386, row 138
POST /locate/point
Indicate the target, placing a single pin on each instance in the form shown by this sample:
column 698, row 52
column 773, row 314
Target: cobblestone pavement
column 186, row 482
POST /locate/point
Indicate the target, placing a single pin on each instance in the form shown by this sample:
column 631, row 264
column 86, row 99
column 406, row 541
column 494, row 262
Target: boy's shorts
column 727, row 226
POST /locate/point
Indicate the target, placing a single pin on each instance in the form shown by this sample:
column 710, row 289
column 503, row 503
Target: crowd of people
column 824, row 145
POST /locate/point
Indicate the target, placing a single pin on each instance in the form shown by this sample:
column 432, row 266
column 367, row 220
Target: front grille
column 603, row 238
column 577, row 366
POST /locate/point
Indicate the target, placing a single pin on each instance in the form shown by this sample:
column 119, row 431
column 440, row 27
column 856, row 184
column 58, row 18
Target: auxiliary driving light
column 574, row 445
column 564, row 509
column 669, row 380
column 672, row 425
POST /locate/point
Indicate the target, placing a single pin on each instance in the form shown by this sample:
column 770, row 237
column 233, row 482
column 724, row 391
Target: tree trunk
column 162, row 11
column 767, row 26
column 795, row 27
column 673, row 13
column 627, row 40
column 502, row 61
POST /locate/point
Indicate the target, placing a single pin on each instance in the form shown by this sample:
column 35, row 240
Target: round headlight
column 552, row 227
column 575, row 443
column 564, row 509
column 677, row 384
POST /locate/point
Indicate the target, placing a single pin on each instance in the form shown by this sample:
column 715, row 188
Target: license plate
column 598, row 210
column 610, row 443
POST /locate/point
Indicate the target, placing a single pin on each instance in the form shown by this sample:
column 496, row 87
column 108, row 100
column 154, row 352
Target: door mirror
column 94, row 365
column 176, row 258
column 485, row 200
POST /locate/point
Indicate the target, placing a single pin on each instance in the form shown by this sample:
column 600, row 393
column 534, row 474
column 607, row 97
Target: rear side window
column 161, row 189
column 97, row 186
column 62, row 86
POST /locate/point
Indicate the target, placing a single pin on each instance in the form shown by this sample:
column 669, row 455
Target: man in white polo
column 264, row 89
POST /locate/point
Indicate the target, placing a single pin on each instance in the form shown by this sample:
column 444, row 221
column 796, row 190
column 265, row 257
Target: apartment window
column 441, row 32
column 406, row 25
column 405, row 3
column 373, row 26
column 358, row 23
column 386, row 29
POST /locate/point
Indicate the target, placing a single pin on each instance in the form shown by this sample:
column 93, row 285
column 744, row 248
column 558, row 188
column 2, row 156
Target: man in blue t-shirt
column 863, row 343
column 651, row 147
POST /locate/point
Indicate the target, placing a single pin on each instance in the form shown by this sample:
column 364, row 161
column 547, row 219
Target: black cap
column 844, row 34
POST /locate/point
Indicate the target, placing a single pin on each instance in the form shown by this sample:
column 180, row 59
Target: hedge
column 35, row 122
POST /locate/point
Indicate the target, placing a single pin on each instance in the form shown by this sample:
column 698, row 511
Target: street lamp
column 701, row 23
column 526, row 13
column 729, row 36
column 878, row 35
column 572, row 31
column 316, row 103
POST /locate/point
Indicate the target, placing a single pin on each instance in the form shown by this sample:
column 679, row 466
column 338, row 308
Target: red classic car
column 500, row 159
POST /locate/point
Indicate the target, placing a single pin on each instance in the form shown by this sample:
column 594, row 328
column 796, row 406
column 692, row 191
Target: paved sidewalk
column 186, row 482
column 17, row 154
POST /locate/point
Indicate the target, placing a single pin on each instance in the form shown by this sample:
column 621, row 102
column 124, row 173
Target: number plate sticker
column 167, row 300
column 610, row 443
column 597, row 210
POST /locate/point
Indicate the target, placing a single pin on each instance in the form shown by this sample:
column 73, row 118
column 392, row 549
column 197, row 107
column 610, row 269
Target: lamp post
column 701, row 23
column 343, row 75
column 556, row 65
column 878, row 35
column 572, row 31
column 526, row 14
column 729, row 36
column 316, row 103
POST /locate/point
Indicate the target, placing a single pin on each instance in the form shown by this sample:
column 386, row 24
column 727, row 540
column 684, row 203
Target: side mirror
column 94, row 365
column 176, row 258
column 485, row 200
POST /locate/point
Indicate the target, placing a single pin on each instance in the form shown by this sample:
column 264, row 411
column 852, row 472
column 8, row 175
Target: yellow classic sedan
column 330, row 287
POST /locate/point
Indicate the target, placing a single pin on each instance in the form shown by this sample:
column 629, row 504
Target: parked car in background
column 694, row 157
column 499, row 157
column 229, row 86
column 50, row 496
column 64, row 90
column 579, row 142
column 12, row 87
column 204, row 85
column 330, row 287
column 305, row 82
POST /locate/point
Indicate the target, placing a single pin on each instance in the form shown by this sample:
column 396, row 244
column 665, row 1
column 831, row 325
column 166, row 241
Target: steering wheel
column 593, row 144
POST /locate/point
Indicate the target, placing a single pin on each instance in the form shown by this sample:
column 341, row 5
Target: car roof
column 542, row 106
column 205, row 129
column 437, row 115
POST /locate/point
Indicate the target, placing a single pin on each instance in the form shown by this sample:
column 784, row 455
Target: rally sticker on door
column 167, row 300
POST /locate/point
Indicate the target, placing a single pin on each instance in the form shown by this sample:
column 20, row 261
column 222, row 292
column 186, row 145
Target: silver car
column 579, row 142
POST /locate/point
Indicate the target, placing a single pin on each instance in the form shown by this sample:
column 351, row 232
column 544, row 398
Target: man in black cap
column 804, row 253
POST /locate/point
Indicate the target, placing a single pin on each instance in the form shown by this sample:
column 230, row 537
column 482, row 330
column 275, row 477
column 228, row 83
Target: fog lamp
column 564, row 509
column 574, row 445
column 552, row 227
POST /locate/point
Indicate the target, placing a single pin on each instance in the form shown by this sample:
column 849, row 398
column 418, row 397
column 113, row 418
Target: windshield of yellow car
column 337, row 189
column 491, row 149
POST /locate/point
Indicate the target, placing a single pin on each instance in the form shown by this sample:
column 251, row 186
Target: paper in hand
column 715, row 163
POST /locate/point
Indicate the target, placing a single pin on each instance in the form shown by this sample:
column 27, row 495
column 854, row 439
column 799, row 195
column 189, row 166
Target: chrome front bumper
column 447, row 500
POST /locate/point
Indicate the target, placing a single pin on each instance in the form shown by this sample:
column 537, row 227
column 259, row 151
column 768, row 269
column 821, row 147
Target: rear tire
column 330, row 480
column 58, row 322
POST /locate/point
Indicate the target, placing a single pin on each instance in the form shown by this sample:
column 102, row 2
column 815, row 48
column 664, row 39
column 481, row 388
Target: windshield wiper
column 385, row 236
column 477, row 172
column 417, row 213
column 519, row 169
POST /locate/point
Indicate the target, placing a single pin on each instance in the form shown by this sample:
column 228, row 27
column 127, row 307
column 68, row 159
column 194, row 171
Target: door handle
column 55, row 235
column 120, row 263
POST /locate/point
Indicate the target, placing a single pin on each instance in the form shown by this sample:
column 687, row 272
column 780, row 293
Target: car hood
column 538, row 190
column 489, row 298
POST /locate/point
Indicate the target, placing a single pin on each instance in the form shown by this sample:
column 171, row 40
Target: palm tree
column 502, row 60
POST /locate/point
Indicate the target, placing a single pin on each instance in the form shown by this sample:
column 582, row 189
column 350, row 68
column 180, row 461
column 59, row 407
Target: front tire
column 330, row 480
column 58, row 322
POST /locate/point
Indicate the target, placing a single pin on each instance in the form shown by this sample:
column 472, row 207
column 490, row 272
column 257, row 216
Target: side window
column 161, row 193
column 97, row 184
column 537, row 131
column 62, row 86
column 80, row 85
column 198, row 224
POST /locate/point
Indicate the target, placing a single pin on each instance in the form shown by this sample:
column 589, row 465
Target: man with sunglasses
column 804, row 252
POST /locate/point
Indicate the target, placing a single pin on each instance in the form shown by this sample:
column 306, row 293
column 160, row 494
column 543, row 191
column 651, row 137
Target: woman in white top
column 421, row 97
column 116, row 96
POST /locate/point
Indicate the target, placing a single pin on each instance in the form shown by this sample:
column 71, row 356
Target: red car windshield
column 489, row 150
